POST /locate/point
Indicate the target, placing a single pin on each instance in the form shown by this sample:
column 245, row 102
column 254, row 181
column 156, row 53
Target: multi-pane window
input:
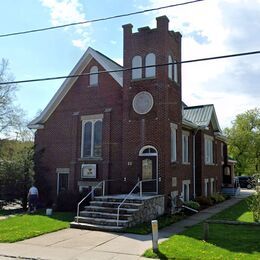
column 63, row 182
column 208, row 142
column 173, row 143
column 170, row 67
column 175, row 71
column 149, row 61
column 185, row 147
column 137, row 62
column 186, row 190
column 91, row 138
column 93, row 78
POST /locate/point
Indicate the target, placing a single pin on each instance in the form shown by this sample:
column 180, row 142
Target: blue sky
column 209, row 28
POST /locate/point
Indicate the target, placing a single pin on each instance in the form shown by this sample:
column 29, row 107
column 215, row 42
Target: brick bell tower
column 151, row 101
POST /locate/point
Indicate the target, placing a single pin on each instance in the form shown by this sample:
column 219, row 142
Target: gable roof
column 202, row 116
column 104, row 61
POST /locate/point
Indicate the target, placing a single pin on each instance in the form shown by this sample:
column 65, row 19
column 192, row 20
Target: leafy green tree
column 244, row 142
column 16, row 175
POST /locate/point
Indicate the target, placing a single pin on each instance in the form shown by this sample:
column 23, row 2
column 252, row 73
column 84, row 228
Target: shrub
column 217, row 198
column 192, row 204
column 204, row 201
column 254, row 206
column 67, row 201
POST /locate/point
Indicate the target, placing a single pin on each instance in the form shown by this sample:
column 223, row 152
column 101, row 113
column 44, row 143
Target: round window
column 143, row 102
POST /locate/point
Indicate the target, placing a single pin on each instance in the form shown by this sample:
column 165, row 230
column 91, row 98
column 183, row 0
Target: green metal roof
column 202, row 116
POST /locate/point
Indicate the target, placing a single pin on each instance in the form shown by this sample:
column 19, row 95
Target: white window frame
column 173, row 142
column 185, row 147
column 212, row 186
column 136, row 62
column 187, row 183
column 60, row 171
column 93, row 78
column 93, row 119
column 175, row 71
column 206, row 187
column 150, row 59
column 170, row 67
column 208, row 149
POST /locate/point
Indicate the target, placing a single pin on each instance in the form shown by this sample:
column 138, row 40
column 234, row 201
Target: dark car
column 245, row 182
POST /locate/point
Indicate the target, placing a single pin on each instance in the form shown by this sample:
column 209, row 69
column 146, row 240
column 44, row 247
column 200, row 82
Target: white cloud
column 70, row 11
column 212, row 28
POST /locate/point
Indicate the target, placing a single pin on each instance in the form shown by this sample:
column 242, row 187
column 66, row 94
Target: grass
column 145, row 228
column 25, row 226
column 225, row 241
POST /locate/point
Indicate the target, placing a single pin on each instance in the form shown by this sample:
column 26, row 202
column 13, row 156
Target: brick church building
column 127, row 125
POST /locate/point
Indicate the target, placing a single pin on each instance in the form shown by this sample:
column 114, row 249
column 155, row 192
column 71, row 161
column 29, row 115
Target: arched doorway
column 149, row 169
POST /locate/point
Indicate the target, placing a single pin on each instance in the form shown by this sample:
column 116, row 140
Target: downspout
column 194, row 157
column 193, row 161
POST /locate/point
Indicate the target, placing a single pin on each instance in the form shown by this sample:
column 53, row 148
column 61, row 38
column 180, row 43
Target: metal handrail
column 95, row 187
column 92, row 190
column 141, row 185
column 118, row 208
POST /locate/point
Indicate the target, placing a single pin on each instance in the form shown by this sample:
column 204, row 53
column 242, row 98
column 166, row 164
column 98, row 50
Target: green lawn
column 225, row 241
column 145, row 228
column 25, row 226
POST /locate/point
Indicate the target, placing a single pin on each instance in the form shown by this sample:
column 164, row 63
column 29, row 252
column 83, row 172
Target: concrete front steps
column 101, row 214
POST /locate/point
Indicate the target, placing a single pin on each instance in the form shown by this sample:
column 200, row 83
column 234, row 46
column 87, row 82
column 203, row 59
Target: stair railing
column 141, row 186
column 92, row 191
column 126, row 197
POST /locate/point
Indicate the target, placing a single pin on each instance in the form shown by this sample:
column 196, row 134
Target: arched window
column 137, row 62
column 175, row 71
column 170, row 67
column 93, row 78
column 150, row 60
column 91, row 138
column 87, row 139
column 97, row 139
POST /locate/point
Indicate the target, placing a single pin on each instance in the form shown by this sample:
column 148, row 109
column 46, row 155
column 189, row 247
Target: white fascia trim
column 189, row 124
column 214, row 116
column 35, row 126
column 104, row 64
column 220, row 137
column 68, row 83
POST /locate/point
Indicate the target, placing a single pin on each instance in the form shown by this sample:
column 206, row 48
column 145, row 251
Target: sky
column 208, row 28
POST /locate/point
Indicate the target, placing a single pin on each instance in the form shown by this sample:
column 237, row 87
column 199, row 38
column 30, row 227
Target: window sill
column 141, row 79
column 90, row 159
column 210, row 164
column 186, row 163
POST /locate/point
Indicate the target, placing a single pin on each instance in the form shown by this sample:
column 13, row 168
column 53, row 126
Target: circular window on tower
column 143, row 102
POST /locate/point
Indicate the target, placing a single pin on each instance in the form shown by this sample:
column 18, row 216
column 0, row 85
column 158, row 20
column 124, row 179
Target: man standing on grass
column 33, row 198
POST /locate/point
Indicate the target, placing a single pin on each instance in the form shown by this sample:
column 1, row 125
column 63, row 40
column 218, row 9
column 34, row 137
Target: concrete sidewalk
column 75, row 244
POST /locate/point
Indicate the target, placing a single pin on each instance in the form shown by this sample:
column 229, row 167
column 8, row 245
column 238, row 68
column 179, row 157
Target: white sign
column 88, row 171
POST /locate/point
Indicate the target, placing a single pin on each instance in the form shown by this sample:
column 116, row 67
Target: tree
column 244, row 142
column 11, row 116
column 16, row 175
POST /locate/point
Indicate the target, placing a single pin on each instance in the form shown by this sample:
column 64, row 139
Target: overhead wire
column 98, row 19
column 132, row 68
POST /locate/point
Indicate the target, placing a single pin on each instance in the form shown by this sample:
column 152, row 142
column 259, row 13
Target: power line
column 128, row 69
column 97, row 20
